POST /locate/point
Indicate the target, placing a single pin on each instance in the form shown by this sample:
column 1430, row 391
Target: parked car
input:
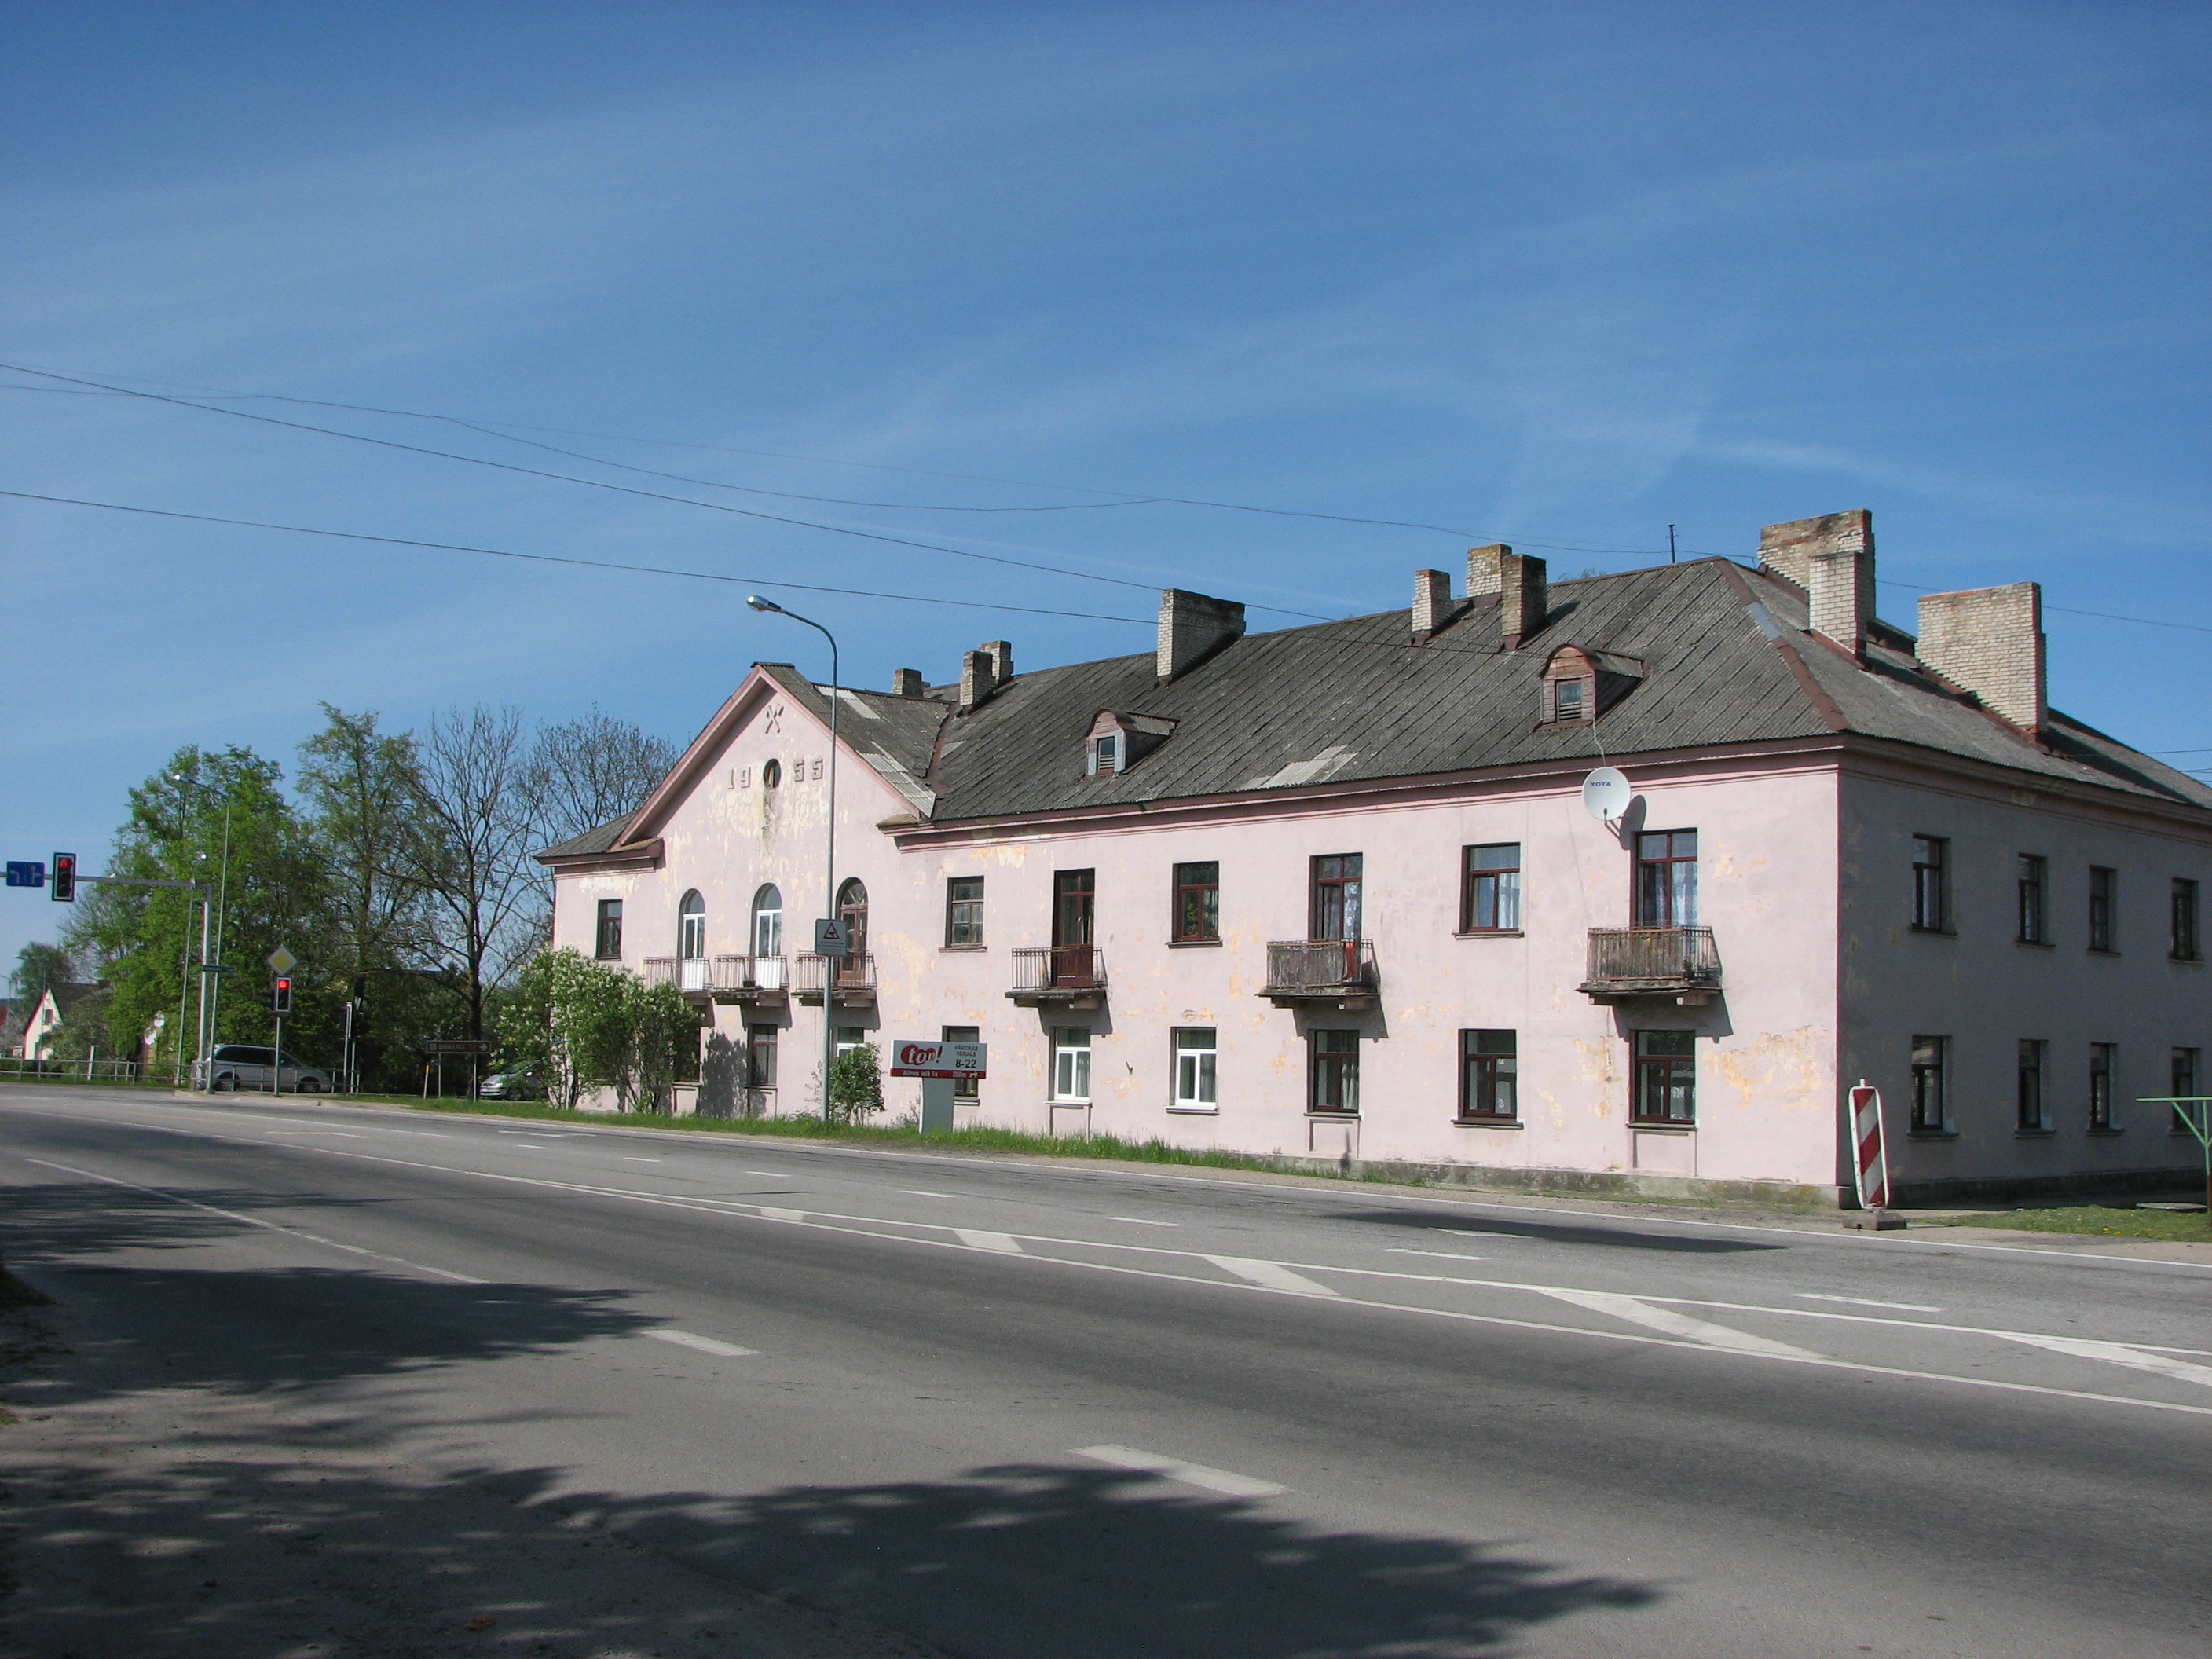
column 512, row 1086
column 241, row 1065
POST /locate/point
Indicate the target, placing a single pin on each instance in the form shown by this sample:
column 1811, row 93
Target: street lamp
column 830, row 858
column 211, row 984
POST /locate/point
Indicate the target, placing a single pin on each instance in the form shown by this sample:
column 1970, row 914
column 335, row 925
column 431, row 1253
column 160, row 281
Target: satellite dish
column 1606, row 793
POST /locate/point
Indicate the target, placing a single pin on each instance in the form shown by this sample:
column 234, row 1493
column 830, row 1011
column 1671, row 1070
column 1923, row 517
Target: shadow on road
column 255, row 1552
column 1622, row 1237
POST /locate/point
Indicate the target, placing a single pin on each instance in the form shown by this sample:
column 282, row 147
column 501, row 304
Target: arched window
column 768, row 922
column 853, row 911
column 691, row 927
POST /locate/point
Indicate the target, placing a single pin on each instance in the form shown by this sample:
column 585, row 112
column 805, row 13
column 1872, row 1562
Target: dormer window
column 1117, row 740
column 1579, row 684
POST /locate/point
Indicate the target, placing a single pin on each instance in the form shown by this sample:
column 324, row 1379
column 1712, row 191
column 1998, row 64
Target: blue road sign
column 23, row 874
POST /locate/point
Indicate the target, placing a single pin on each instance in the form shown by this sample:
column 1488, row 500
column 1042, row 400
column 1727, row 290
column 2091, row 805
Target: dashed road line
column 916, row 1192
column 1675, row 1324
column 693, row 1340
column 2116, row 1354
column 1272, row 1275
column 1140, row 1221
column 1862, row 1302
column 1174, row 1468
column 1002, row 1242
column 1442, row 1255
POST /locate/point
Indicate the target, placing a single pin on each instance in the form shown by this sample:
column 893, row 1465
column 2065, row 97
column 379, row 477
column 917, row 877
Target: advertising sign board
column 955, row 1061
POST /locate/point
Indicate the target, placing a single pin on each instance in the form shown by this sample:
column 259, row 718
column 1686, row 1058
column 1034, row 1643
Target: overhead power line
column 495, row 430
column 1130, row 497
column 627, row 489
column 588, row 564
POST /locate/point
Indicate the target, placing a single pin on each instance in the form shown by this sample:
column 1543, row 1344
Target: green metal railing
column 2197, row 1122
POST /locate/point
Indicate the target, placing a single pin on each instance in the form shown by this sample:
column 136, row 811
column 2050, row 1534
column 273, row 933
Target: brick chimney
column 1989, row 641
column 1192, row 629
column 1832, row 558
column 1483, row 572
column 1432, row 602
column 907, row 682
column 1522, row 603
column 978, row 678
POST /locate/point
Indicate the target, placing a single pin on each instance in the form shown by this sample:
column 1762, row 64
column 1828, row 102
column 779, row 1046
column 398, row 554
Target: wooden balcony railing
column 1339, row 971
column 1071, row 974
column 1682, row 962
column 852, row 978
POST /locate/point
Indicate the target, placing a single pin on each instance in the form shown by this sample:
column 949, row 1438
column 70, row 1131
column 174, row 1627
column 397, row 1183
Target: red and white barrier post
column 1870, row 1159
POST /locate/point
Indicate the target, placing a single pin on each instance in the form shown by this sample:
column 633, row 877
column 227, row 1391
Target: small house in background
column 42, row 1025
column 1331, row 893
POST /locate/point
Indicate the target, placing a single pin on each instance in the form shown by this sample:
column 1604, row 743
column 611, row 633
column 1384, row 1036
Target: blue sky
column 1557, row 275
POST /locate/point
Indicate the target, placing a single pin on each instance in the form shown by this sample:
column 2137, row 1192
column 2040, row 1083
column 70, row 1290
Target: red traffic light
column 280, row 994
column 65, row 887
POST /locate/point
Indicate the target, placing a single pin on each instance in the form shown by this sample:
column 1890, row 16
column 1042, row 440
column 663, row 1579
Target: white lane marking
column 1140, row 1221
column 703, row 1344
column 1675, row 1324
column 294, row 1135
column 1445, row 1256
column 1473, row 1233
column 828, row 1223
column 2115, row 1353
column 1272, row 1275
column 1002, row 1242
column 774, row 1174
column 256, row 1221
column 628, row 1158
column 916, row 1192
column 1174, row 1468
column 1842, row 1239
column 1861, row 1302
column 531, row 1146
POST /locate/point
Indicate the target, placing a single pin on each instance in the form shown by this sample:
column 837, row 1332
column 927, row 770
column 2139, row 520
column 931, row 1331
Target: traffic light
column 280, row 994
column 65, row 890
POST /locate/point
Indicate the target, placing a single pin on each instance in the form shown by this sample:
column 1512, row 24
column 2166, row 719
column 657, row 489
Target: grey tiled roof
column 1352, row 700
column 1356, row 700
column 591, row 841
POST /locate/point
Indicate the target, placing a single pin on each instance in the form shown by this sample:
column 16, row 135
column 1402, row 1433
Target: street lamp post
column 829, row 857
column 211, row 984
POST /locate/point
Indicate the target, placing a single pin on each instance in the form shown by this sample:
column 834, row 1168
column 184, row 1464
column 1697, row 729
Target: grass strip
column 2095, row 1221
column 871, row 1135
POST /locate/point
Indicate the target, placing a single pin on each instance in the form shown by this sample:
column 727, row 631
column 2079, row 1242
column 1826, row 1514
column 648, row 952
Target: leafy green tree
column 37, row 967
column 575, row 1022
column 361, row 787
column 144, row 941
column 665, row 1046
column 856, row 1084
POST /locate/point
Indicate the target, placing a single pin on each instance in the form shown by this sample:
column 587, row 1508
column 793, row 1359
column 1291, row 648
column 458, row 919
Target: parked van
column 238, row 1065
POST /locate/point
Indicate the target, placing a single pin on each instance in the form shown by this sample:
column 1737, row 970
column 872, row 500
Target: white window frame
column 1070, row 1064
column 1195, row 1083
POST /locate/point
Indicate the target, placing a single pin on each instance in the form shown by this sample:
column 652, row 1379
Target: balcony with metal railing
column 1680, row 962
column 851, row 979
column 1059, row 976
column 723, row 979
column 1321, row 973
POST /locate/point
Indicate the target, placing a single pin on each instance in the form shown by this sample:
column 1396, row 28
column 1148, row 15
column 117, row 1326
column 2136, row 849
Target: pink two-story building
column 1333, row 893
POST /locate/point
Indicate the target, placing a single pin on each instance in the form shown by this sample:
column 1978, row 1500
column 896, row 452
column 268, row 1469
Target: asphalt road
column 1012, row 1410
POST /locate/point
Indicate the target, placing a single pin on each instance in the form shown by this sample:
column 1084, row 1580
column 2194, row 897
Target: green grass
column 813, row 1128
column 2097, row 1221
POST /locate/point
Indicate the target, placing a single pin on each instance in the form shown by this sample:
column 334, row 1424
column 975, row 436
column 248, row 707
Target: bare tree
column 473, row 855
column 592, row 770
